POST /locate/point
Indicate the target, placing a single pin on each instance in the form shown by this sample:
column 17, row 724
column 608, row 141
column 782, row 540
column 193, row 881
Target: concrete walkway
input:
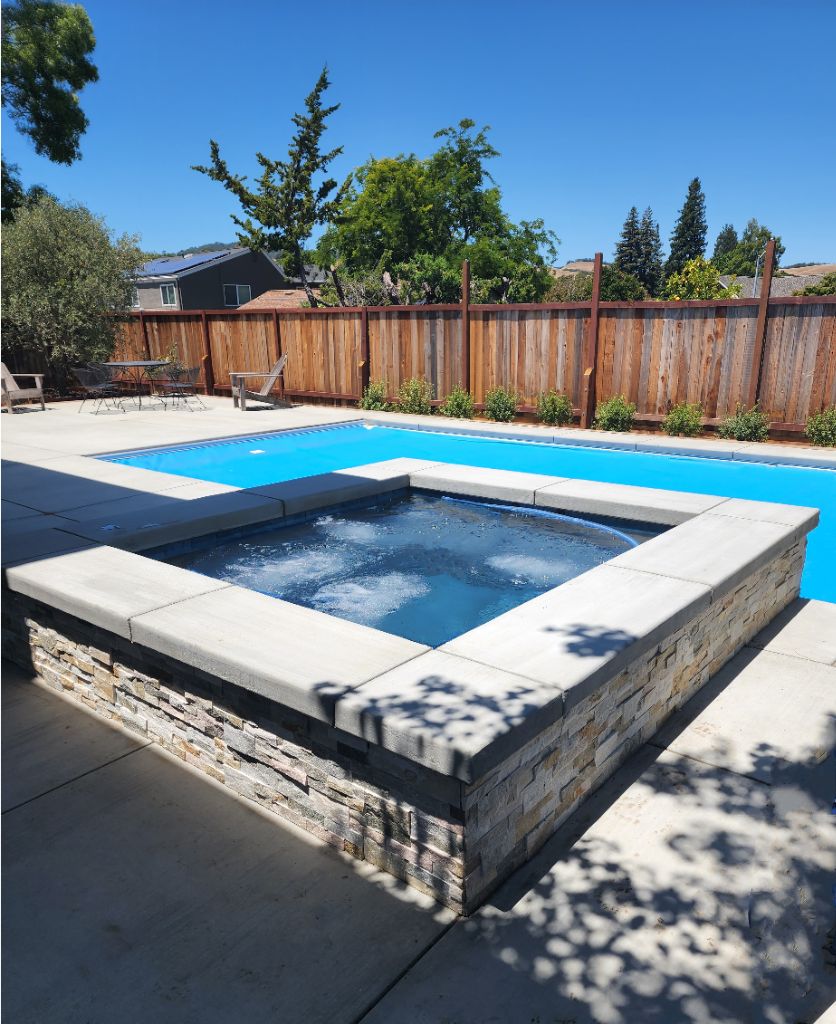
column 694, row 887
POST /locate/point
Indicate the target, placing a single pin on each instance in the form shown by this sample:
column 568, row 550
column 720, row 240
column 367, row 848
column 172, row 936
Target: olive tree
column 67, row 282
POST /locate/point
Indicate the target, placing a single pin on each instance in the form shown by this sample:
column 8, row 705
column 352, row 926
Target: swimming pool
column 272, row 458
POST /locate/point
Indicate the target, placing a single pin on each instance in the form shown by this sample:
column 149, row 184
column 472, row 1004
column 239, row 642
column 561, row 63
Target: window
column 168, row 292
column 237, row 294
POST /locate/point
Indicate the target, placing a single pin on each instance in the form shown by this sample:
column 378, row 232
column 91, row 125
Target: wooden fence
column 780, row 352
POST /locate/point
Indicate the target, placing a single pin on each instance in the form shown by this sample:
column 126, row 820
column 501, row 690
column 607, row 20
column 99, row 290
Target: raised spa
column 424, row 567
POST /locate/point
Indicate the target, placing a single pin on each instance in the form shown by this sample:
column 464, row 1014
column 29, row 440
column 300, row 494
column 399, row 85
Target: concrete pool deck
column 693, row 887
column 87, row 493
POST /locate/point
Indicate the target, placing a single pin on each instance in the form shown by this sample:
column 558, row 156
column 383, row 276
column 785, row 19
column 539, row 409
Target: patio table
column 137, row 370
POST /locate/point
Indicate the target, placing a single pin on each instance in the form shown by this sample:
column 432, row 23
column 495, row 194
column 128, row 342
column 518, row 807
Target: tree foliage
column 827, row 286
column 726, row 241
column 411, row 222
column 698, row 279
column 45, row 52
column 618, row 286
column 65, row 280
column 688, row 236
column 628, row 253
column 292, row 196
column 748, row 254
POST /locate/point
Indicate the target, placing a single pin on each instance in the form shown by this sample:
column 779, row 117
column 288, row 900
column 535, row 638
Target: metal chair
column 98, row 386
column 181, row 386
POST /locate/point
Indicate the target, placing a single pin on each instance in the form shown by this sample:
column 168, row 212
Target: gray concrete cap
column 574, row 636
column 453, row 715
column 716, row 550
column 642, row 504
column 105, row 586
column 497, row 484
column 293, row 655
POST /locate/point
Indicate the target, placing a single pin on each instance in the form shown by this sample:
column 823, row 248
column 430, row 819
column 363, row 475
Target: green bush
column 614, row 414
column 374, row 397
column 745, row 425
column 415, row 396
column 821, row 428
column 554, row 409
column 459, row 404
column 501, row 404
column 683, row 420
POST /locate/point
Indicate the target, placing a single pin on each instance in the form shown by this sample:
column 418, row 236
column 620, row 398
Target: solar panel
column 174, row 264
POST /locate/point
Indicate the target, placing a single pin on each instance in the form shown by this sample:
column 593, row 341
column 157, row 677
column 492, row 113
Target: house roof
column 315, row 275
column 277, row 298
column 176, row 266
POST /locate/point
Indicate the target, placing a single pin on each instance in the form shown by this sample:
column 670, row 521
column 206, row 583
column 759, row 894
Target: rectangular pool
column 288, row 455
column 424, row 567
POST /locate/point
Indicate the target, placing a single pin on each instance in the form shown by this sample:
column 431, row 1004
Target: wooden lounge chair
column 240, row 391
column 12, row 392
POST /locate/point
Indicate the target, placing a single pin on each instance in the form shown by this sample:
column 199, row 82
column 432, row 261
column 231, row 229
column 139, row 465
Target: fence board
column 416, row 343
column 799, row 363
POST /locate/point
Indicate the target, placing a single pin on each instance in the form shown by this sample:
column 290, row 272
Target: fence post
column 144, row 330
column 465, row 314
column 365, row 368
column 208, row 368
column 590, row 356
column 278, row 334
column 760, row 325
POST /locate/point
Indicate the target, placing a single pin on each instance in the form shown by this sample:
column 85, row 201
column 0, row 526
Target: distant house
column 223, row 279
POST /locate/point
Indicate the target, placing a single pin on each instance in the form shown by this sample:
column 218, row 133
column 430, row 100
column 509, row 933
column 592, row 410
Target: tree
column 650, row 271
column 748, row 254
column 413, row 221
column 628, row 250
column 726, row 241
column 827, row 286
column 698, row 279
column 65, row 282
column 45, row 53
column 618, row 286
column 688, row 236
column 282, row 212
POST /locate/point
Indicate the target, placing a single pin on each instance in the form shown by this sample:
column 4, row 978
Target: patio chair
column 240, row 392
column 97, row 385
column 13, row 392
column 180, row 385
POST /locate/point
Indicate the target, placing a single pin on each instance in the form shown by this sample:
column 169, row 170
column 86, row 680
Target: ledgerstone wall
column 451, row 840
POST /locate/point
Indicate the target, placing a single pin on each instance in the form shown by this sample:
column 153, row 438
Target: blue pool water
column 422, row 566
column 255, row 461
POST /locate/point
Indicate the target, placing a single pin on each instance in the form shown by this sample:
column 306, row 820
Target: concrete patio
column 695, row 886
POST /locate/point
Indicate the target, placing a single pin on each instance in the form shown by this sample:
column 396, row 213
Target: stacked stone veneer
column 453, row 840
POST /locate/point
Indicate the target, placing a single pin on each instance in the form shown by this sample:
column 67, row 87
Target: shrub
column 374, row 397
column 698, row 279
column 459, row 404
column 554, row 409
column 683, row 420
column 501, row 404
column 745, row 425
column 821, row 428
column 415, row 396
column 827, row 286
column 614, row 414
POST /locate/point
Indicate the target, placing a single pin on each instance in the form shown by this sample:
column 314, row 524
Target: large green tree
column 628, row 249
column 66, row 279
column 410, row 222
column 688, row 236
column 726, row 241
column 292, row 197
column 650, row 271
column 45, row 60
column 748, row 254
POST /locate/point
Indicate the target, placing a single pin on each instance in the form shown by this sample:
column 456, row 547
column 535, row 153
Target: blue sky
column 594, row 107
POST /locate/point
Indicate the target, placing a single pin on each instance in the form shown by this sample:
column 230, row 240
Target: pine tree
column 287, row 203
column 650, row 271
column 726, row 241
column 688, row 237
column 628, row 251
